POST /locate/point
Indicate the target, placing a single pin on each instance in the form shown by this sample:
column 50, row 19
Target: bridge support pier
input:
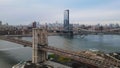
column 39, row 40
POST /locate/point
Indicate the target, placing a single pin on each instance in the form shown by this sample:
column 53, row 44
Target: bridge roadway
column 80, row 57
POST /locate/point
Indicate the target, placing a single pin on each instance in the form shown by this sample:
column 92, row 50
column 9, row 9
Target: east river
column 11, row 53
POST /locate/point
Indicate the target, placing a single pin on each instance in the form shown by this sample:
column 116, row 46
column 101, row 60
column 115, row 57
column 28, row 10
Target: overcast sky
column 49, row 11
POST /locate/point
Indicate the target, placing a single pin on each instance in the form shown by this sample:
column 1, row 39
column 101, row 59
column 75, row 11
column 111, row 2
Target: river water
column 11, row 53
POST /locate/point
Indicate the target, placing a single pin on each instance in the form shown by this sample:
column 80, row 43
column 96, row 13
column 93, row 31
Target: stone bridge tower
column 39, row 40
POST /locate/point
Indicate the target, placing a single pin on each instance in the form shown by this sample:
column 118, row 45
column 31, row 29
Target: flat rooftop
column 56, row 65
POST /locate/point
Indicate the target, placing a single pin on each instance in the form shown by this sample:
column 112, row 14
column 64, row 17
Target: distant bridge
column 95, row 32
column 81, row 32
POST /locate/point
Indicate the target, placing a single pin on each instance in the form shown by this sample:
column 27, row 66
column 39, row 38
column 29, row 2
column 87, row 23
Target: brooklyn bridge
column 40, row 47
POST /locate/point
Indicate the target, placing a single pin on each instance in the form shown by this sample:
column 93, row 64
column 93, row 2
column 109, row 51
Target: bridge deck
column 81, row 57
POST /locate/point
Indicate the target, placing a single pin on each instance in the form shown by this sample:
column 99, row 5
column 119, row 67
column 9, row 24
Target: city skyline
column 49, row 11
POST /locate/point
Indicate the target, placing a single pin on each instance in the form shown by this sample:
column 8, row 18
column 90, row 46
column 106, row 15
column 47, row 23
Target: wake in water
column 7, row 49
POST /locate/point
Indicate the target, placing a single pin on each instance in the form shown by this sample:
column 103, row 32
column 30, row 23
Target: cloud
column 21, row 11
column 6, row 2
column 94, row 14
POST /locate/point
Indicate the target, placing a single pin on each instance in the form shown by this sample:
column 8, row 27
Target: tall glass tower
column 66, row 20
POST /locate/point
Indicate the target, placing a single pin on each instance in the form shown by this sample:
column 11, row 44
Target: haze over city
column 49, row 11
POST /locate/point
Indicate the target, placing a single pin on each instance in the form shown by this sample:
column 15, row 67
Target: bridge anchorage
column 40, row 48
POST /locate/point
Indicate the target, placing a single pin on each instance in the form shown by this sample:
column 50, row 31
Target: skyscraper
column 66, row 20
column 0, row 22
column 34, row 24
